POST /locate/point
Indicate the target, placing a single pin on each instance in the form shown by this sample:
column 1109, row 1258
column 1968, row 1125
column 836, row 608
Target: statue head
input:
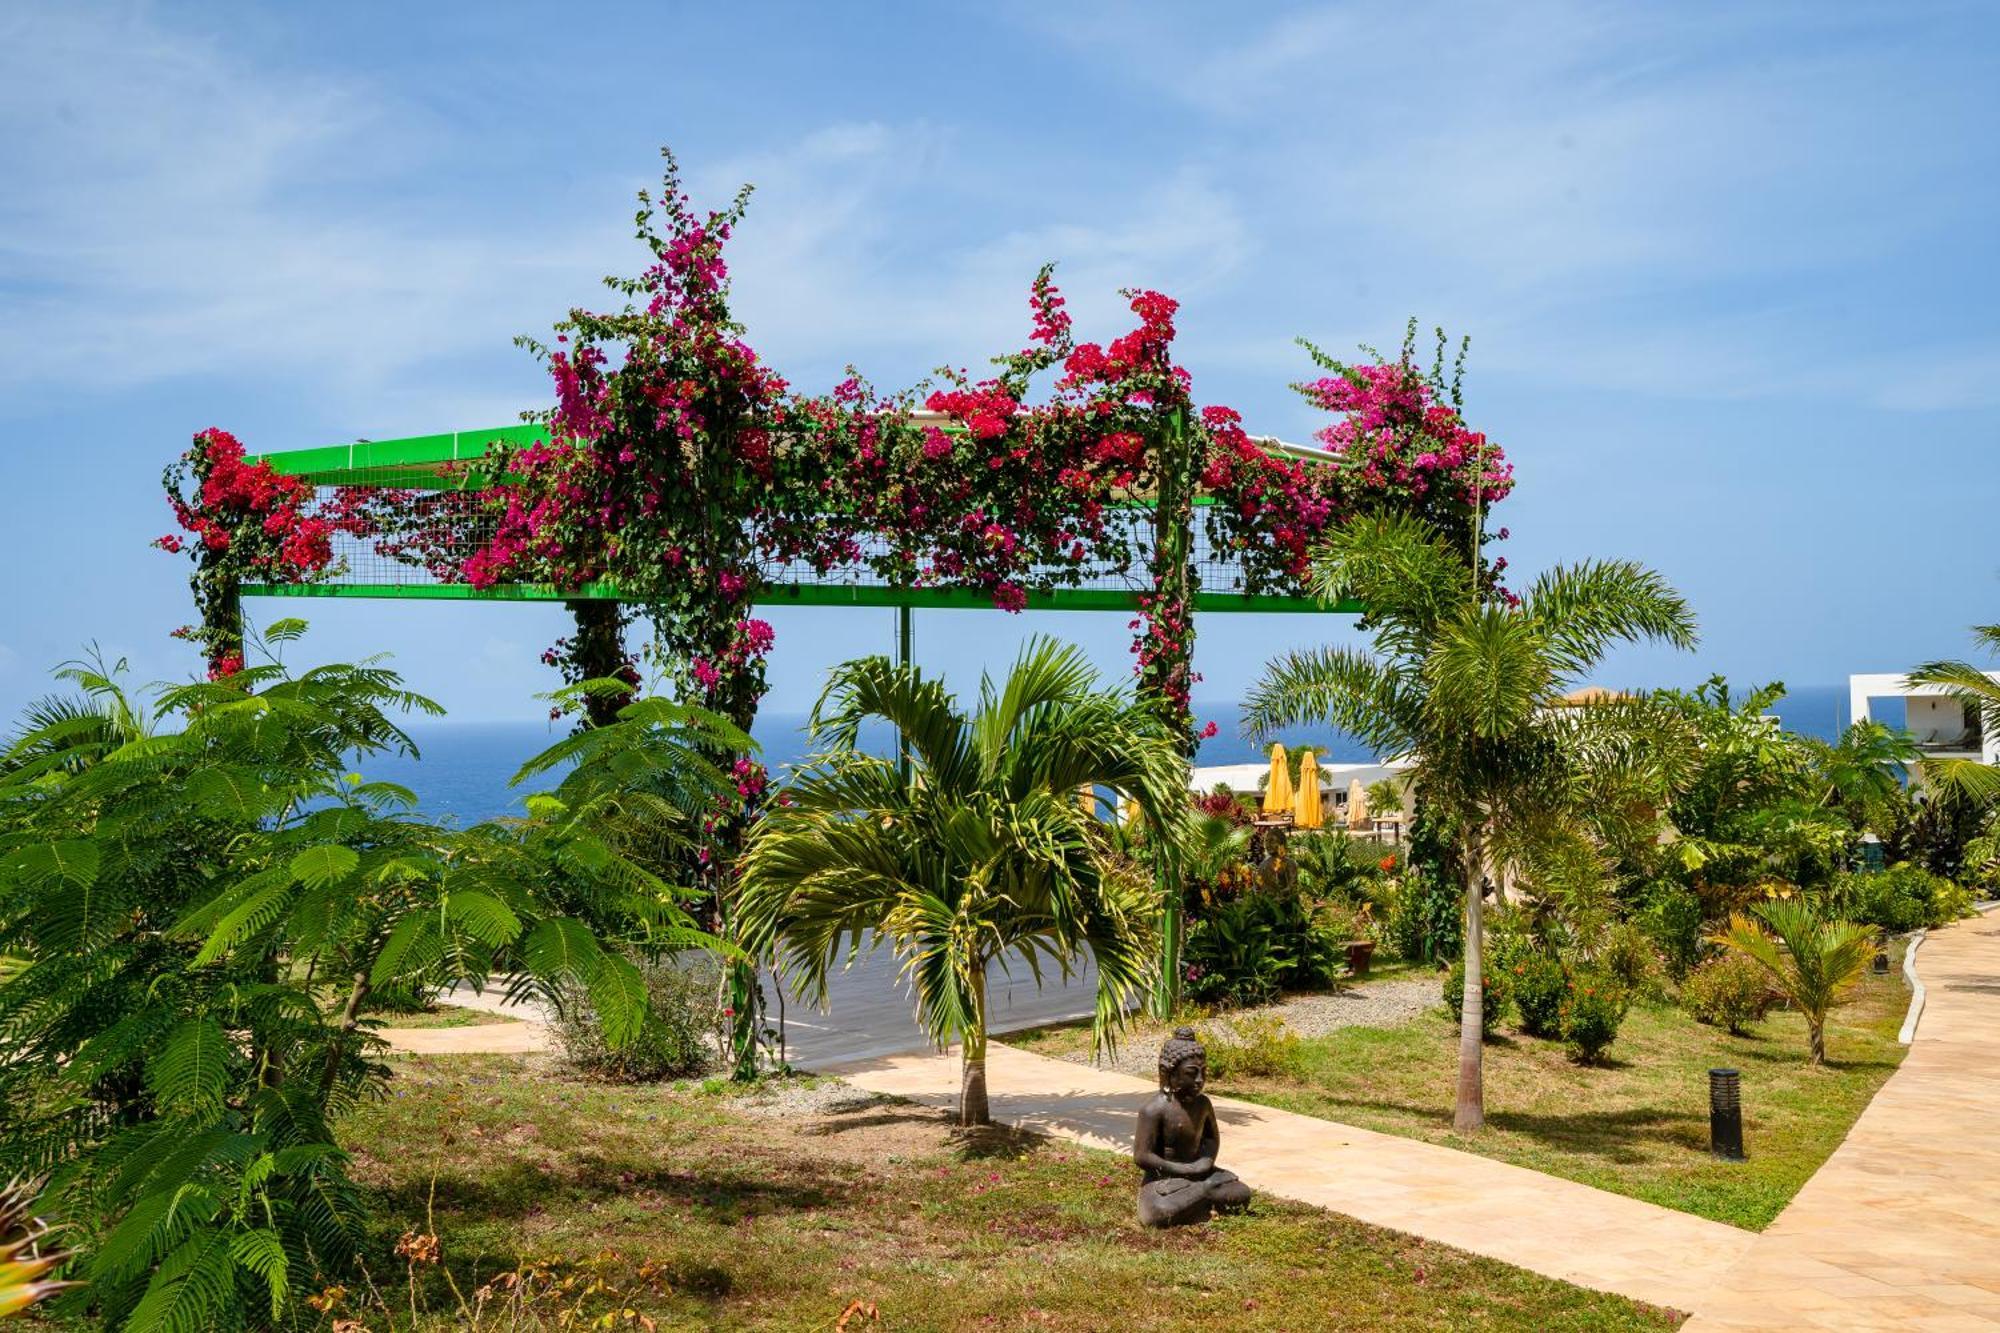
column 1183, row 1064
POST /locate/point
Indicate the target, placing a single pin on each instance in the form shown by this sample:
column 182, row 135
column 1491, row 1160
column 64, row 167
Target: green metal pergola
column 453, row 461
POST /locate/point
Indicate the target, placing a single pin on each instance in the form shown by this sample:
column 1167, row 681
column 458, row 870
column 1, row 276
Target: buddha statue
column 1177, row 1142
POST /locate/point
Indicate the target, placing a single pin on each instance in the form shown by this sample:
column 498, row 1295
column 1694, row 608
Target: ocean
column 464, row 771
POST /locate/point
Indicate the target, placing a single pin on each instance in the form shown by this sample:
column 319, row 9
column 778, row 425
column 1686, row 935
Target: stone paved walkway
column 1901, row 1228
column 1556, row 1227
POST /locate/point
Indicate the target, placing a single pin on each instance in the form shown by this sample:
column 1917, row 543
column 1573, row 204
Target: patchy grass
column 696, row 1208
column 439, row 1016
column 1637, row 1125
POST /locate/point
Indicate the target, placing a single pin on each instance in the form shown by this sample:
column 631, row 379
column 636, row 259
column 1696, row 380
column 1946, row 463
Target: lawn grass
column 696, row 1212
column 440, row 1016
column 1637, row 1125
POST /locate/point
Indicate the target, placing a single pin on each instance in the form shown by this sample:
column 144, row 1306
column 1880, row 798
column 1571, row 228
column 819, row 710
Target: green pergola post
column 1173, row 537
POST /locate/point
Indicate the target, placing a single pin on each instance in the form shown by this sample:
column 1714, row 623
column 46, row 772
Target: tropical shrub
column 1232, row 956
column 1540, row 984
column 1901, row 898
column 1729, row 991
column 1493, row 996
column 206, row 912
column 1627, row 956
column 1254, row 1046
column 1810, row 960
column 1591, row 1015
column 1672, row 917
column 675, row 1041
column 1426, row 919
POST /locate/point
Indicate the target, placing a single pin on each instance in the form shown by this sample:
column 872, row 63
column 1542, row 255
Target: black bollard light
column 1725, row 1114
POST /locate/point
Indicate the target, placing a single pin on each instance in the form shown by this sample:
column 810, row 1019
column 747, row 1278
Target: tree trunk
column 599, row 652
column 1470, row 1112
column 972, row 1107
column 1818, row 1031
column 350, row 1019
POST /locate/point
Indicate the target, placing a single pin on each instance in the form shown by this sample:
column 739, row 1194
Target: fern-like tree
column 207, row 913
column 1812, row 962
column 981, row 853
column 1466, row 683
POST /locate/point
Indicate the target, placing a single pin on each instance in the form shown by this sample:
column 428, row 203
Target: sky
column 1727, row 270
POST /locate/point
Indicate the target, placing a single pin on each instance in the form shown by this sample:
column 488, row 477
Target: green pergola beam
column 421, row 461
column 793, row 594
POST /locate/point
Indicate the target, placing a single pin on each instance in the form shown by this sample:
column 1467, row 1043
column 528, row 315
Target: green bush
column 1540, row 985
column 1672, row 918
column 673, row 1042
column 1492, row 1000
column 1251, row 949
column 1730, row 991
column 1628, row 957
column 1254, row 1046
column 1591, row 1014
column 1426, row 921
column 1901, row 898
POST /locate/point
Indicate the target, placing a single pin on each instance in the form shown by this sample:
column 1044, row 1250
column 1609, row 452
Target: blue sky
column 1728, row 271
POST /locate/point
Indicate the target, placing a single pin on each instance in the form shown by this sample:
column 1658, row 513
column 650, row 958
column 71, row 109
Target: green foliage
column 1970, row 783
column 1810, row 960
column 1253, row 1046
column 982, row 853
column 1672, row 917
column 1540, row 984
column 1426, row 920
column 206, row 905
column 1728, row 991
column 1591, row 1015
column 1626, row 955
column 674, row 1040
column 1232, row 955
column 1901, row 898
column 1493, row 996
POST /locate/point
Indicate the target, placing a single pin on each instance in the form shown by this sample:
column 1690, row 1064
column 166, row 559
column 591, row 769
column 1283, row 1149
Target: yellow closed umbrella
column 1278, row 791
column 1305, row 805
column 1086, row 799
column 1357, row 804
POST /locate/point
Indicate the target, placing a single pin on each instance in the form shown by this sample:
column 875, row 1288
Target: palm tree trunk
column 1817, row 1029
column 1470, row 1112
column 972, row 1107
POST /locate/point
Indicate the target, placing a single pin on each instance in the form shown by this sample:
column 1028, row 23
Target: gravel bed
column 1370, row 1004
column 807, row 1098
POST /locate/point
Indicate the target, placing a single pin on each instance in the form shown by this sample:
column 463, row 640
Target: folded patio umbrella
column 1357, row 804
column 1278, row 792
column 1305, row 805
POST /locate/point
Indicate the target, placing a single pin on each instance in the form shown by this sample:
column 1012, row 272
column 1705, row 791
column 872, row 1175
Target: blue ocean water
column 465, row 769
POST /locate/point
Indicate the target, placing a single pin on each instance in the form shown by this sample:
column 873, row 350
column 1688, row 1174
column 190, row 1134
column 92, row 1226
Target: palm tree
column 1980, row 694
column 980, row 853
column 1464, row 681
column 1813, row 962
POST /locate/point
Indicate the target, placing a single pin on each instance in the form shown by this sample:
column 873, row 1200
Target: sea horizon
column 464, row 770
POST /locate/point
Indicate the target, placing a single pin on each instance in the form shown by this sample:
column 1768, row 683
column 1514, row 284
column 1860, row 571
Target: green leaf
column 324, row 866
column 190, row 1075
column 284, row 631
column 562, row 947
column 483, row 916
column 260, row 1251
column 70, row 861
column 253, row 914
column 618, row 993
column 229, row 792
column 191, row 1291
column 412, row 946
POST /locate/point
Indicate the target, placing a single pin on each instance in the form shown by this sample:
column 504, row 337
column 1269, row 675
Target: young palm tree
column 1813, row 962
column 1980, row 694
column 982, row 852
column 1464, row 682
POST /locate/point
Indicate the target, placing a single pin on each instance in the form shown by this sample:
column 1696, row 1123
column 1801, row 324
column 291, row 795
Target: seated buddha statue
column 1177, row 1143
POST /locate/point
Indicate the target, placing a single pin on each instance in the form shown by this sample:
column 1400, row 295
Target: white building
column 1943, row 727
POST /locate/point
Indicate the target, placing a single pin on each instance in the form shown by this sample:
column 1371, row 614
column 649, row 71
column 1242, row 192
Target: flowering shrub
column 248, row 524
column 1493, row 995
column 1729, row 991
column 1540, row 985
column 1591, row 1015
